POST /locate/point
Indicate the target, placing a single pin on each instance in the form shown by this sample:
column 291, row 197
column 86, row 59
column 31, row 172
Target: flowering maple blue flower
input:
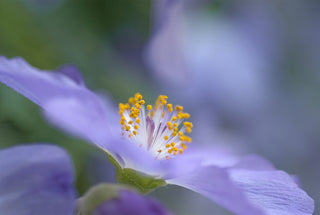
column 36, row 180
column 249, row 185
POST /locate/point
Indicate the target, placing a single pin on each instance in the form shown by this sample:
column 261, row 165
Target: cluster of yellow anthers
column 159, row 128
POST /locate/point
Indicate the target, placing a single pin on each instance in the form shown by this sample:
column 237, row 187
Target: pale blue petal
column 41, row 86
column 273, row 191
column 214, row 183
column 246, row 187
column 36, row 180
column 131, row 203
column 194, row 157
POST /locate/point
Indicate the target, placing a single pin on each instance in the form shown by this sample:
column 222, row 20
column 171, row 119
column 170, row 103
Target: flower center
column 160, row 129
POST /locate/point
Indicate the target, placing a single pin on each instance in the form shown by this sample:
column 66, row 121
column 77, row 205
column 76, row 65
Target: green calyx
column 142, row 182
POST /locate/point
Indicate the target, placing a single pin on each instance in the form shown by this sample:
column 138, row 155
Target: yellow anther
column 164, row 97
column 168, row 145
column 170, row 127
column 175, row 124
column 138, row 120
column 181, row 151
column 183, row 146
column 151, row 113
column 188, row 124
column 166, row 137
column 169, row 106
column 137, row 106
column 180, row 133
column 122, row 120
column 185, row 138
column 130, row 122
column 159, row 150
column 130, row 135
column 149, row 107
column 131, row 100
column 172, row 144
column 175, row 129
column 175, row 153
column 186, row 116
column 188, row 129
column 141, row 102
column 174, row 133
column 170, row 151
column 169, row 123
column 174, row 118
column 127, row 127
column 178, row 108
column 121, row 106
column 136, row 127
column 134, row 133
column 138, row 96
column 175, row 149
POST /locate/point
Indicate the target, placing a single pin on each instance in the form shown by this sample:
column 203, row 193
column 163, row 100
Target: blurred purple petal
column 131, row 203
column 254, row 162
column 214, row 183
column 80, row 117
column 36, row 180
column 221, row 157
column 41, row 86
column 273, row 191
column 164, row 52
column 225, row 58
column 248, row 191
column 72, row 72
column 213, row 176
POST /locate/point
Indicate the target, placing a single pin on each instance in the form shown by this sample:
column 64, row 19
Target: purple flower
column 224, row 59
column 249, row 185
column 36, row 180
column 129, row 202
